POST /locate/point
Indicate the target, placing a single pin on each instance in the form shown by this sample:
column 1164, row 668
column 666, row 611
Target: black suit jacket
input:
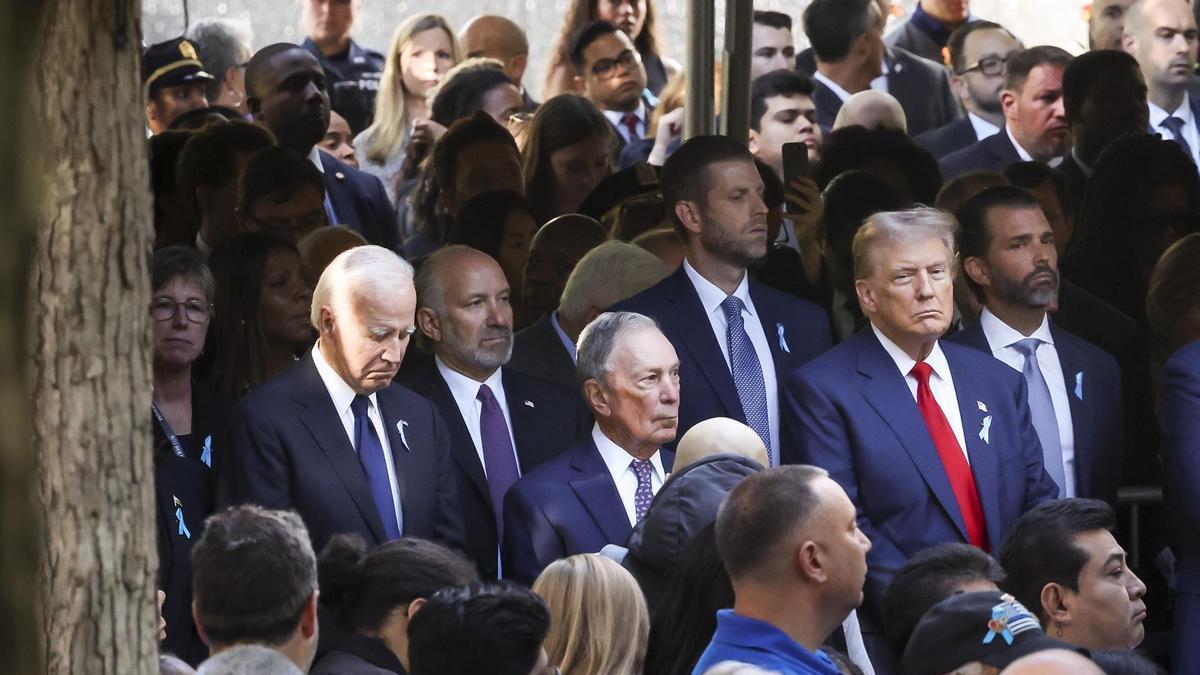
column 538, row 351
column 545, row 421
column 360, row 202
column 949, row 138
column 290, row 451
column 991, row 154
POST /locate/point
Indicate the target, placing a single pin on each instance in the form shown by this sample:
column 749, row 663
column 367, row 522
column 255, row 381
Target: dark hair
column 174, row 223
column 926, row 579
column 772, row 19
column 584, row 38
column 855, row 147
column 974, row 230
column 277, row 173
column 773, row 190
column 1040, row 548
column 957, row 42
column 832, row 26
column 259, row 65
column 964, row 186
column 463, row 93
column 685, row 175
column 776, row 83
column 1029, row 175
column 468, row 131
column 481, row 219
column 210, row 156
column 1172, row 297
column 495, row 627
column 180, row 262
column 1086, row 71
column 850, row 199
column 237, row 359
column 253, row 573
column 364, row 586
column 683, row 625
column 559, row 122
column 198, row 119
column 761, row 513
column 583, row 12
column 1022, row 62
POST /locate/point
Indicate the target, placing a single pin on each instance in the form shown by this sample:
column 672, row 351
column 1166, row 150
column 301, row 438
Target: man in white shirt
column 1161, row 35
column 592, row 494
column 1009, row 257
column 502, row 423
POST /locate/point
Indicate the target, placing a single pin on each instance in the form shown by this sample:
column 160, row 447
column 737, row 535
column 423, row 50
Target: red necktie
column 962, row 481
column 630, row 121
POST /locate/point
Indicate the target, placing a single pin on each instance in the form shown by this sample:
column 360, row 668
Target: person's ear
column 597, row 400
column 752, row 144
column 977, row 270
column 1056, row 605
column 151, row 111
column 579, row 85
column 1128, row 42
column 811, row 564
column 689, row 214
column 516, row 67
column 328, row 325
column 866, row 298
column 199, row 626
column 1008, row 103
column 958, row 84
column 413, row 606
column 308, row 618
column 429, row 324
column 862, row 46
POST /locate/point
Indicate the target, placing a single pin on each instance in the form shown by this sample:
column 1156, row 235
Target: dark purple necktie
column 499, row 460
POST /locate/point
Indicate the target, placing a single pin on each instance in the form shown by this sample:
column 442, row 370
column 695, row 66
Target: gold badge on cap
column 188, row 51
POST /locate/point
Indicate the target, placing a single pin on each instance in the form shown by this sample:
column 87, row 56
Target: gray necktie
column 1175, row 126
column 1041, row 408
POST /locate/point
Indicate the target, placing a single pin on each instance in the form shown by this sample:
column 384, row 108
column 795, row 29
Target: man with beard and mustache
column 736, row 338
column 1161, row 35
column 1008, row 255
column 502, row 423
column 286, row 93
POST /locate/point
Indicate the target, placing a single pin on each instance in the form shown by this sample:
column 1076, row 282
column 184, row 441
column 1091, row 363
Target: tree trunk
column 90, row 355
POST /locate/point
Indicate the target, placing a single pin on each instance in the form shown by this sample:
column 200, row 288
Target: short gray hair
column 598, row 338
column 890, row 228
column 355, row 271
column 221, row 44
column 608, row 274
column 249, row 660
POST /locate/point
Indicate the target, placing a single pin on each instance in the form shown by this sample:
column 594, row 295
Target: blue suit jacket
column 852, row 413
column 946, row 139
column 545, row 421
column 991, row 154
column 360, row 202
column 290, row 451
column 566, row 506
column 1181, row 451
column 1093, row 381
column 796, row 330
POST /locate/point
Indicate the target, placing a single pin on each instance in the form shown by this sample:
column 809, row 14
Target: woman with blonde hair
column 423, row 50
column 598, row 618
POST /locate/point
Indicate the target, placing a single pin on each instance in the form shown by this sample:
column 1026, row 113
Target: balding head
column 873, row 110
column 497, row 38
column 554, row 252
column 465, row 310
column 1052, row 662
column 719, row 435
column 1161, row 35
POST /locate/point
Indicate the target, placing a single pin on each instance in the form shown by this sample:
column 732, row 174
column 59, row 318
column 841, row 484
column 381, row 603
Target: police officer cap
column 170, row 64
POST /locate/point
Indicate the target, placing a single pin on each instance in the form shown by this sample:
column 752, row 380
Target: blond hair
column 385, row 137
column 599, row 623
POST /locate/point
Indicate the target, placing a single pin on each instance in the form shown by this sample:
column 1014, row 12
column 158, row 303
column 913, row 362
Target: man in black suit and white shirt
column 332, row 437
column 502, row 423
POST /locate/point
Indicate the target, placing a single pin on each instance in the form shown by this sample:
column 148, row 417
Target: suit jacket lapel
column 888, row 394
column 402, row 447
column 462, row 448
column 773, row 328
column 695, row 331
column 1081, row 422
column 340, row 198
column 598, row 494
column 323, row 422
column 524, row 423
column 984, row 464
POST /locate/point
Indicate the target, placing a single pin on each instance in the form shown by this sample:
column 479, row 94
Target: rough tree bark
column 90, row 365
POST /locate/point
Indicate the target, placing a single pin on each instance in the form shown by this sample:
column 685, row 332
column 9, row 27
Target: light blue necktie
column 747, row 373
column 374, row 464
column 1041, row 408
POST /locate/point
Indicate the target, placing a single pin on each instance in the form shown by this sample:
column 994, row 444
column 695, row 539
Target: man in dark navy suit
column 594, row 493
column 332, row 437
column 1162, row 36
column 1035, row 120
column 1008, row 254
column 736, row 338
column 932, row 441
column 286, row 92
column 609, row 72
column 502, row 423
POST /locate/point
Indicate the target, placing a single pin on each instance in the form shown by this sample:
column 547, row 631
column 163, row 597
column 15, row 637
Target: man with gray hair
column 332, row 437
column 225, row 47
column 932, row 441
column 502, row 423
column 593, row 494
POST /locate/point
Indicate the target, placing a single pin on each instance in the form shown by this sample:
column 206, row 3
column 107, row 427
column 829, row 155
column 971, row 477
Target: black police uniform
column 352, row 80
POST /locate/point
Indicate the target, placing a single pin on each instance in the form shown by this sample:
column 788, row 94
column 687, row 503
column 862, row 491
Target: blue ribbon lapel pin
column 783, row 345
column 183, row 528
column 1079, row 385
column 400, row 426
column 985, row 430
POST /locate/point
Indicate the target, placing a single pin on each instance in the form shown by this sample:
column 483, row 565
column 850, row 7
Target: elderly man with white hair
column 332, row 437
column 933, row 443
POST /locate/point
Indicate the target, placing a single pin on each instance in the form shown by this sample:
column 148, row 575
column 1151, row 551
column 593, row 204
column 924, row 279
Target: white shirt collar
column 314, row 156
column 711, row 297
column 1183, row 112
column 833, row 86
column 936, row 359
column 1000, row 334
column 983, row 128
column 1025, row 156
column 1083, row 167
column 617, row 459
column 615, row 116
column 340, row 392
column 465, row 389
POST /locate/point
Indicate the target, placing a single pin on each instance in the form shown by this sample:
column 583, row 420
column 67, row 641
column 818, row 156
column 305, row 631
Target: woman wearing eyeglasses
column 189, row 423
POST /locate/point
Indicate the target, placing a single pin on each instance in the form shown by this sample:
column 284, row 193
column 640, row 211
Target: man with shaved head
column 499, row 38
column 502, row 423
column 286, row 92
column 719, row 435
column 1161, row 35
column 873, row 110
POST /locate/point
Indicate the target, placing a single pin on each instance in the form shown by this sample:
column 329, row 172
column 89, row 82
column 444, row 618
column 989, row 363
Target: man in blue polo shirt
column 790, row 542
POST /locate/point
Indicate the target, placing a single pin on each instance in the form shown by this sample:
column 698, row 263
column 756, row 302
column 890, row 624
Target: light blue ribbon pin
column 1079, row 385
column 985, row 429
column 782, row 340
column 206, row 456
column 400, row 427
column 183, row 529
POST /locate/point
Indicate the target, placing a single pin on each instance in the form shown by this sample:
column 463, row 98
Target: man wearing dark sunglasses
column 609, row 72
column 979, row 53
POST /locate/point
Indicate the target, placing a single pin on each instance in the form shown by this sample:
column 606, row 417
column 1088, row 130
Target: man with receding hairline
column 497, row 37
column 1162, row 36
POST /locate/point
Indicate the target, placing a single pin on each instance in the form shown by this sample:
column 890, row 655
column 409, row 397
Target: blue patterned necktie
column 1041, row 409
column 642, row 468
column 499, row 461
column 370, row 455
column 1175, row 126
column 747, row 373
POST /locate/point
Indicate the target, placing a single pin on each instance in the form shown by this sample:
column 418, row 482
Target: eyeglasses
column 988, row 65
column 165, row 309
column 606, row 69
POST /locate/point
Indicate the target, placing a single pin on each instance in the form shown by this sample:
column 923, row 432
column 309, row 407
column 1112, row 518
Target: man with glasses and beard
column 502, row 423
column 1008, row 255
